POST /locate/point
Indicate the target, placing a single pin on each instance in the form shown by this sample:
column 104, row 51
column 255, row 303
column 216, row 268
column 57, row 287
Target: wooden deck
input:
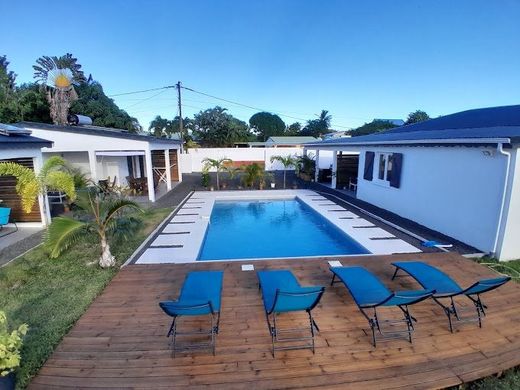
column 120, row 341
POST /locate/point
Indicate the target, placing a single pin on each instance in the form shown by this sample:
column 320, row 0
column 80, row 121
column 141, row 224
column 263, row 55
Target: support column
column 334, row 168
column 168, row 169
column 149, row 175
column 92, row 161
column 43, row 200
column 317, row 167
column 179, row 170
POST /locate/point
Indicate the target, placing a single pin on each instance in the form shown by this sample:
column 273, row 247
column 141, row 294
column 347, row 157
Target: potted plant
column 10, row 345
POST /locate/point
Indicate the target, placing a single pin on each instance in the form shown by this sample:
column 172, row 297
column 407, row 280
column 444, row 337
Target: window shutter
column 395, row 173
column 369, row 166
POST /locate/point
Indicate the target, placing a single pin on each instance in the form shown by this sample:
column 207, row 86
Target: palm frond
column 62, row 233
column 61, row 181
column 27, row 185
column 111, row 208
column 53, row 163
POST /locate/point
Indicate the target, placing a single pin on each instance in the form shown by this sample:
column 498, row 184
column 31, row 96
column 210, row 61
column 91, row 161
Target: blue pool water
column 272, row 228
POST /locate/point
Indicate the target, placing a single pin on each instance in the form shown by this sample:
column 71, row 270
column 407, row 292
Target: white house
column 19, row 146
column 458, row 174
column 289, row 141
column 104, row 153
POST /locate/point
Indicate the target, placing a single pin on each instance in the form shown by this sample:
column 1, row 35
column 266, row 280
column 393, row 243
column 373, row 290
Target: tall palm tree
column 160, row 126
column 218, row 164
column 324, row 119
column 287, row 162
column 104, row 218
column 52, row 177
column 59, row 75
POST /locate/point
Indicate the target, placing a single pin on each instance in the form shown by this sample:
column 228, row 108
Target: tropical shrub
column 219, row 165
column 52, row 177
column 253, row 174
column 100, row 215
column 10, row 345
column 287, row 162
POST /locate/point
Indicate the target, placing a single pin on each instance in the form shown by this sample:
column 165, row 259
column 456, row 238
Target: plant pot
column 212, row 188
column 7, row 382
column 273, row 185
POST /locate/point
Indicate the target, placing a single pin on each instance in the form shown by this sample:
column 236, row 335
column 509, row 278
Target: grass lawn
column 51, row 295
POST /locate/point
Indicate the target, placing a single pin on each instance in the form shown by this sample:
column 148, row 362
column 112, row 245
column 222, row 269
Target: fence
column 192, row 161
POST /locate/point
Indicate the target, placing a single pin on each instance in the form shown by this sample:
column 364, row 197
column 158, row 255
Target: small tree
column 50, row 178
column 103, row 217
column 416, row 117
column 253, row 173
column 218, row 164
column 287, row 162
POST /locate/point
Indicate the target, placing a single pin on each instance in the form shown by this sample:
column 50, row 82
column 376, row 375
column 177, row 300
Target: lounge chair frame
column 450, row 309
column 276, row 331
column 376, row 324
column 211, row 332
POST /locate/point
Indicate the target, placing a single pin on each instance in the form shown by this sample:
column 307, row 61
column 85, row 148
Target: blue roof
column 483, row 123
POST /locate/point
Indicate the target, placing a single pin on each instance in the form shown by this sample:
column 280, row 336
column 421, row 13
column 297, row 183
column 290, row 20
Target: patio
column 120, row 341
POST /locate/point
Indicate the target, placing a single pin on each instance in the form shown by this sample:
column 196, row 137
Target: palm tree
column 253, row 173
column 160, row 126
column 51, row 177
column 103, row 218
column 286, row 161
column 218, row 164
column 59, row 75
column 324, row 119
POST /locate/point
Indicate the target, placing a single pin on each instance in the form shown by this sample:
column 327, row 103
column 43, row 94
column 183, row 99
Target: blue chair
column 282, row 293
column 369, row 293
column 5, row 213
column 200, row 295
column 445, row 287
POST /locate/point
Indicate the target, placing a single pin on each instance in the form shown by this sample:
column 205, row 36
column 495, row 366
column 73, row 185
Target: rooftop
column 97, row 130
column 483, row 125
column 12, row 137
column 291, row 140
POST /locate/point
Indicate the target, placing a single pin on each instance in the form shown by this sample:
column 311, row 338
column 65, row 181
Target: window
column 384, row 167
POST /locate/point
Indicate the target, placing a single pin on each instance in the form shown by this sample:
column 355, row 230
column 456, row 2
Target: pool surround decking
column 120, row 341
column 180, row 240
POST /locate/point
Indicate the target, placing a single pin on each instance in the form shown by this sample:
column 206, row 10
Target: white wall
column 454, row 190
column 75, row 159
column 192, row 161
column 509, row 244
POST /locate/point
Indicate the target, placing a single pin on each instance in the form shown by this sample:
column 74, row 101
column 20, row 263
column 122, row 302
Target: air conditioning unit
column 79, row 120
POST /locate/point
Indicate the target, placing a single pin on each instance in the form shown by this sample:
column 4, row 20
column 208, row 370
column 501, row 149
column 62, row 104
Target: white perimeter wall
column 454, row 190
column 192, row 161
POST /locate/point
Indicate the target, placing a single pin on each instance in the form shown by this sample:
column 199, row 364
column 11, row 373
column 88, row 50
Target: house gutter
column 412, row 142
column 500, row 150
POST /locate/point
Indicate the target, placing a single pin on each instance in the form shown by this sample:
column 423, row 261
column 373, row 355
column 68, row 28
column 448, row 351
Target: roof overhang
column 427, row 142
column 120, row 153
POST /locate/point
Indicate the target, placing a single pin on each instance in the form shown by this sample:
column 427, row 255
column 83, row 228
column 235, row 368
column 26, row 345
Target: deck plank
column 120, row 341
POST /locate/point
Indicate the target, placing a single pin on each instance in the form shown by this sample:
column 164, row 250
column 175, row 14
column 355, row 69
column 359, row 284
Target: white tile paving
column 184, row 248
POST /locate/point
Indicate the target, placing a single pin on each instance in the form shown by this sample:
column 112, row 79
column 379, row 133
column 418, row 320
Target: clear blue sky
column 360, row 60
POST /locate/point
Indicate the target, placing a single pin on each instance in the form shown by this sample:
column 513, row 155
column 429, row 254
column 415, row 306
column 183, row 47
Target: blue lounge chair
column 5, row 213
column 369, row 293
column 445, row 287
column 200, row 295
column 282, row 293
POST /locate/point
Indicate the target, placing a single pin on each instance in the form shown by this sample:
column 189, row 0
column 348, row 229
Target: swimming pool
column 270, row 229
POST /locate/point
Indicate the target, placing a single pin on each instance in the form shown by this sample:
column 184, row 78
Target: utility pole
column 180, row 110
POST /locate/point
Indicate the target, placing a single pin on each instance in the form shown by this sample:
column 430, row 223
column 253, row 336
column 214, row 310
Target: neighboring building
column 458, row 174
column 289, row 141
column 17, row 145
column 396, row 122
column 102, row 153
column 337, row 134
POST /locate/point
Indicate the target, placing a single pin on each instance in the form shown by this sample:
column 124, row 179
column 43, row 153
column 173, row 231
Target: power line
column 142, row 91
column 145, row 99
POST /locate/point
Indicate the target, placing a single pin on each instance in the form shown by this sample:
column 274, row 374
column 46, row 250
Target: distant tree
column 318, row 127
column 214, row 127
column 94, row 103
column 416, row 117
column 160, row 127
column 266, row 125
column 58, row 76
column 7, row 77
column 294, row 129
column 375, row 126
